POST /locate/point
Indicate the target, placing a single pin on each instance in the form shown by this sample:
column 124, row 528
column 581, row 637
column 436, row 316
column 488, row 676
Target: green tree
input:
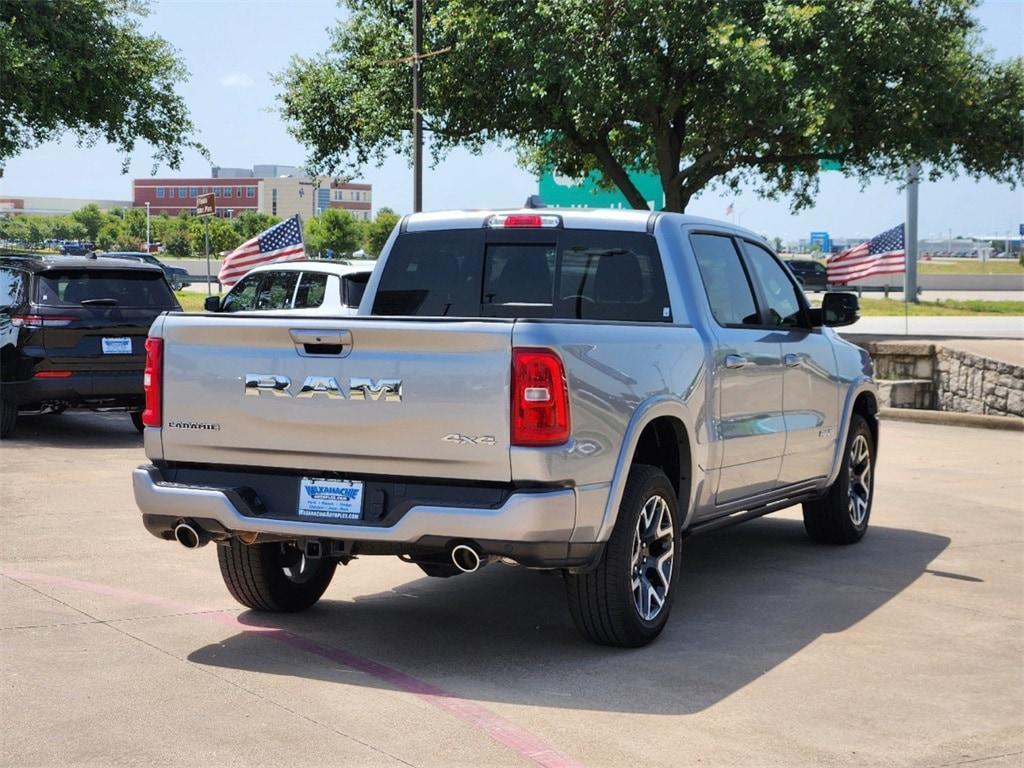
column 335, row 229
column 699, row 92
column 249, row 224
column 223, row 236
column 110, row 235
column 92, row 218
column 85, row 66
column 378, row 230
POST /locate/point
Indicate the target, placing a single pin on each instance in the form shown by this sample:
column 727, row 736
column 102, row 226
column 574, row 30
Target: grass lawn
column 971, row 267
column 872, row 307
column 191, row 301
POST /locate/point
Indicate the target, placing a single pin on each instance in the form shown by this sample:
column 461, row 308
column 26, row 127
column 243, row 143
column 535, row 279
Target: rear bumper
column 120, row 388
column 533, row 527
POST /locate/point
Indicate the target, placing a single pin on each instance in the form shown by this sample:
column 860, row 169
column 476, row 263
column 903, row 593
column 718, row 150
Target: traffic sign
column 206, row 205
column 562, row 192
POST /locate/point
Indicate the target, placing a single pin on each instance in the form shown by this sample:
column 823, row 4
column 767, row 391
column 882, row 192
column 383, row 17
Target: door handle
column 321, row 343
column 791, row 360
column 735, row 361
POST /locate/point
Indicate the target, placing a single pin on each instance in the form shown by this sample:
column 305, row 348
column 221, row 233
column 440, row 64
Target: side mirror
column 837, row 309
column 212, row 304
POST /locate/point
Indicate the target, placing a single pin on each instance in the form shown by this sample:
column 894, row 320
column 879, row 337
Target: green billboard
column 562, row 192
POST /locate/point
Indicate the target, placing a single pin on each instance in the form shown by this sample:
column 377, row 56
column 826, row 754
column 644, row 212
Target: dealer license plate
column 330, row 499
column 117, row 346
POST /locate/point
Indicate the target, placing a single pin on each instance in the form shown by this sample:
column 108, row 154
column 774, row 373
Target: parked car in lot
column 812, row 275
column 317, row 287
column 78, row 248
column 73, row 332
column 177, row 277
column 568, row 390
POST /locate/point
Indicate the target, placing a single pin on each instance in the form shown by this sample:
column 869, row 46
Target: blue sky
column 232, row 47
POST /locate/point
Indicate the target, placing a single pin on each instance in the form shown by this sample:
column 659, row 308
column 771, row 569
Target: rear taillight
column 153, row 382
column 41, row 321
column 540, row 398
column 52, row 375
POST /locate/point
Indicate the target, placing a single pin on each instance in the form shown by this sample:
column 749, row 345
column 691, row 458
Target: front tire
column 841, row 515
column 8, row 418
column 273, row 577
column 625, row 601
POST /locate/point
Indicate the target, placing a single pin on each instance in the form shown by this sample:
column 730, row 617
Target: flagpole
column 910, row 244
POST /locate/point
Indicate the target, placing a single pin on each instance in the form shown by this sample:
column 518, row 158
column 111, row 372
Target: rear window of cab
column 128, row 288
column 546, row 273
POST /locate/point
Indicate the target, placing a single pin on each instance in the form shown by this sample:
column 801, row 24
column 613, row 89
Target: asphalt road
column 904, row 650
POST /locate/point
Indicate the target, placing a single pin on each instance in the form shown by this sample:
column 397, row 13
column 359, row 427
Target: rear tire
column 625, row 601
column 137, row 421
column 841, row 515
column 8, row 418
column 273, row 577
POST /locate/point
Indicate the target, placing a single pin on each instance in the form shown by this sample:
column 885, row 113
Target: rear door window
column 311, row 291
column 725, row 280
column 134, row 288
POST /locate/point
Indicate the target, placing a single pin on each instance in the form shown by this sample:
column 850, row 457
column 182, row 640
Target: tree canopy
column 699, row 92
column 335, row 229
column 85, row 66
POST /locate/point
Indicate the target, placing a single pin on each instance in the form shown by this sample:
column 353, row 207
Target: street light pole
column 417, row 99
column 147, row 227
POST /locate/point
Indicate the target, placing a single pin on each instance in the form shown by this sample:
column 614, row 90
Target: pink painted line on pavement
column 516, row 739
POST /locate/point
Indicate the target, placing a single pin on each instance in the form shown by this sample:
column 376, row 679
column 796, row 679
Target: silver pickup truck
column 563, row 389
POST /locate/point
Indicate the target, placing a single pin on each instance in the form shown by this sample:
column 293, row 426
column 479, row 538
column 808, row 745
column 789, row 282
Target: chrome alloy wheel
column 860, row 480
column 652, row 555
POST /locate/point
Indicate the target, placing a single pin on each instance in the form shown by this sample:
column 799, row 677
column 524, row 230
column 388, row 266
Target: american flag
column 883, row 254
column 282, row 242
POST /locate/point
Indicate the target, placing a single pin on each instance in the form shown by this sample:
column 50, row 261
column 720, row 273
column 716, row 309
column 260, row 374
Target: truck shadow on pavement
column 751, row 597
column 76, row 429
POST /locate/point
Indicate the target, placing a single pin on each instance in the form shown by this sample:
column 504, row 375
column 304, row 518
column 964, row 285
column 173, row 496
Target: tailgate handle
column 322, row 343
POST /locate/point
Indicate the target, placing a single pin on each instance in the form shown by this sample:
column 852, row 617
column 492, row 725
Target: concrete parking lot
column 905, row 650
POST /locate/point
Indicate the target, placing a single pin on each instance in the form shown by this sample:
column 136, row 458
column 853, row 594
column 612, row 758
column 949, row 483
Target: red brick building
column 172, row 196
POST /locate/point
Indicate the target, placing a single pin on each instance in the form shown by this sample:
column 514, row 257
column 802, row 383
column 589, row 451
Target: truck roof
column 621, row 219
column 34, row 262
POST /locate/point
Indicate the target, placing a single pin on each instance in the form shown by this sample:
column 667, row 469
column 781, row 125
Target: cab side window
column 276, row 290
column 243, row 296
column 725, row 280
column 784, row 308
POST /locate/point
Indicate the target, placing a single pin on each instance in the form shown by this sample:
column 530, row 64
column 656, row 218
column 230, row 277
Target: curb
column 953, row 418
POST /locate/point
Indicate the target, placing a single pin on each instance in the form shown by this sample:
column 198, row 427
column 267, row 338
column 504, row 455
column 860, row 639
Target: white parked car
column 317, row 287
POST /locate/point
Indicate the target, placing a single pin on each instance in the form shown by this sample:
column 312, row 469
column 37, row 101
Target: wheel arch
column 862, row 399
column 661, row 433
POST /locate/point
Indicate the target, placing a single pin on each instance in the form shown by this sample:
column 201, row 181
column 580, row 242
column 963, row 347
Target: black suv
column 813, row 275
column 72, row 333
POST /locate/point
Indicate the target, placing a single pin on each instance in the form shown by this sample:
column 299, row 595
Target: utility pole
column 910, row 233
column 417, row 101
column 147, row 227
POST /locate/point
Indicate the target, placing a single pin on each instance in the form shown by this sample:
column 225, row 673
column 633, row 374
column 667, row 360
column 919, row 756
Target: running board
column 733, row 518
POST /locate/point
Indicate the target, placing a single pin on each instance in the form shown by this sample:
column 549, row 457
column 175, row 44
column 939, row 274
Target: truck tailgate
column 450, row 420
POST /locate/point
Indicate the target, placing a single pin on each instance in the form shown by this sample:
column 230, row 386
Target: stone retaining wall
column 972, row 384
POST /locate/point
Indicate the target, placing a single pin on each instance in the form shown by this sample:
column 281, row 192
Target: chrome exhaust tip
column 465, row 558
column 189, row 536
